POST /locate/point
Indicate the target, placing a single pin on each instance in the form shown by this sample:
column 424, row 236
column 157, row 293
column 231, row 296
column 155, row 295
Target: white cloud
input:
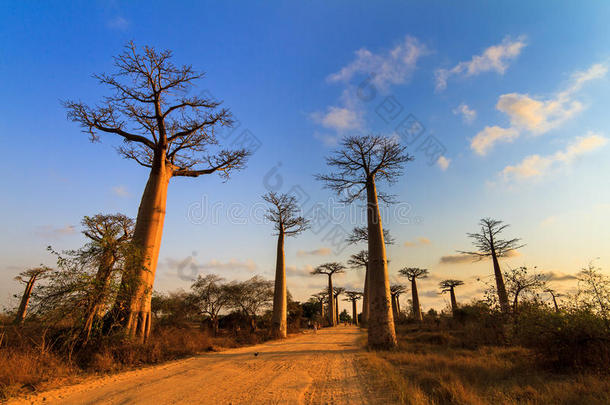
column 118, row 23
column 468, row 114
column 535, row 166
column 389, row 68
column 495, row 58
column 443, row 163
column 299, row 271
column 121, row 191
column 49, row 231
column 323, row 251
column 422, row 240
column 536, row 115
column 486, row 138
column 338, row 118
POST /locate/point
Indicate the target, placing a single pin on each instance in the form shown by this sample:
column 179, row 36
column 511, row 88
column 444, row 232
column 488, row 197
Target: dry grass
column 427, row 370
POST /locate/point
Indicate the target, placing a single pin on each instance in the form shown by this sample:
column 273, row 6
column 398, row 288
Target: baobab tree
column 283, row 214
column 321, row 298
column 211, row 295
column 395, row 291
column 353, row 297
column 358, row 165
column 554, row 295
column 361, row 259
column 412, row 274
column 337, row 291
column 488, row 244
column 29, row 278
column 329, row 269
column 449, row 286
column 170, row 133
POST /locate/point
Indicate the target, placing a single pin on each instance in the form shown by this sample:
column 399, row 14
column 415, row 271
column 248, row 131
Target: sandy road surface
column 322, row 368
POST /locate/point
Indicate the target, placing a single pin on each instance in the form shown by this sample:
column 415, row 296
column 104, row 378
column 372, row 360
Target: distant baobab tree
column 329, row 269
column 321, row 298
column 359, row 164
column 395, row 291
column 361, row 259
column 283, row 214
column 488, row 244
column 353, row 297
column 554, row 295
column 412, row 274
column 449, row 286
column 29, row 278
column 167, row 131
column 337, row 291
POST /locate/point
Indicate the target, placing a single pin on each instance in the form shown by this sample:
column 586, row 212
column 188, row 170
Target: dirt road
column 322, row 368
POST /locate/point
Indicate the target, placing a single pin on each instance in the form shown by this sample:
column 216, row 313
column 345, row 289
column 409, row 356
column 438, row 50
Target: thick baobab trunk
column 102, row 281
column 397, row 305
column 365, row 298
column 137, row 286
column 322, row 309
column 381, row 332
column 279, row 323
column 394, row 307
column 337, row 308
column 415, row 297
column 25, row 300
column 502, row 295
column 354, row 312
column 332, row 319
column 453, row 300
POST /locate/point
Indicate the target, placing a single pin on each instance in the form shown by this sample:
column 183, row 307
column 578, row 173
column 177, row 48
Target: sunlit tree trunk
column 453, row 300
column 397, row 305
column 354, row 312
column 502, row 295
column 381, row 332
column 365, row 298
column 102, row 282
column 279, row 323
column 415, row 297
column 394, row 307
column 137, row 286
column 25, row 300
column 332, row 319
column 337, row 309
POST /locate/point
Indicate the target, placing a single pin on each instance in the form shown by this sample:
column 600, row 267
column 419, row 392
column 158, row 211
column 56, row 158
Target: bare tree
column 554, row 295
column 353, row 297
column 395, row 291
column 412, row 274
column 359, row 164
column 361, row 234
column 594, row 291
column 211, row 296
column 250, row 296
column 489, row 244
column 29, row 278
column 329, row 269
column 520, row 281
column 283, row 214
column 165, row 130
column 337, row 292
column 449, row 286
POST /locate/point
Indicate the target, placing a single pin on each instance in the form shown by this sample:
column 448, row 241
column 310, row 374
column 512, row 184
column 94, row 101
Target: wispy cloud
column 121, row 191
column 50, row 231
column 493, row 59
column 443, row 162
column 295, row 271
column 118, row 23
column 536, row 115
column 468, row 114
column 536, row 166
column 338, row 118
column 455, row 259
column 323, row 251
column 418, row 242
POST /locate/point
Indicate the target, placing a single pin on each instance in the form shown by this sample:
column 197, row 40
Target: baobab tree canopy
column 412, row 273
column 447, row 285
column 487, row 241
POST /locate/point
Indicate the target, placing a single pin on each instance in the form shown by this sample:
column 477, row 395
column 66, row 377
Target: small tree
column 449, row 286
column 165, row 130
column 520, row 281
column 211, row 296
column 412, row 274
column 283, row 214
column 395, row 291
column 360, row 163
column 353, row 297
column 554, row 295
column 489, row 244
column 329, row 269
column 29, row 278
column 594, row 292
column 251, row 297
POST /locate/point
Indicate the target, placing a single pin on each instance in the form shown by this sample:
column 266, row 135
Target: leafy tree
column 594, row 292
column 359, row 164
column 412, row 274
column 251, row 297
column 449, row 286
column 211, row 296
column 165, row 130
column 489, row 244
column 283, row 214
column 329, row 269
column 519, row 281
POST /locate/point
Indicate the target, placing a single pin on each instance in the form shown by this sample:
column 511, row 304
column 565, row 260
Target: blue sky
column 516, row 93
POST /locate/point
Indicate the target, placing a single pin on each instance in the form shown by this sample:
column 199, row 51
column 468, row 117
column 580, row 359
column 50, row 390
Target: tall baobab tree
column 353, row 297
column 395, row 291
column 29, row 278
column 283, row 214
column 329, row 269
column 109, row 237
column 167, row 131
column 321, row 297
column 361, row 259
column 449, row 286
column 337, row 291
column 412, row 274
column 358, row 165
column 488, row 244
